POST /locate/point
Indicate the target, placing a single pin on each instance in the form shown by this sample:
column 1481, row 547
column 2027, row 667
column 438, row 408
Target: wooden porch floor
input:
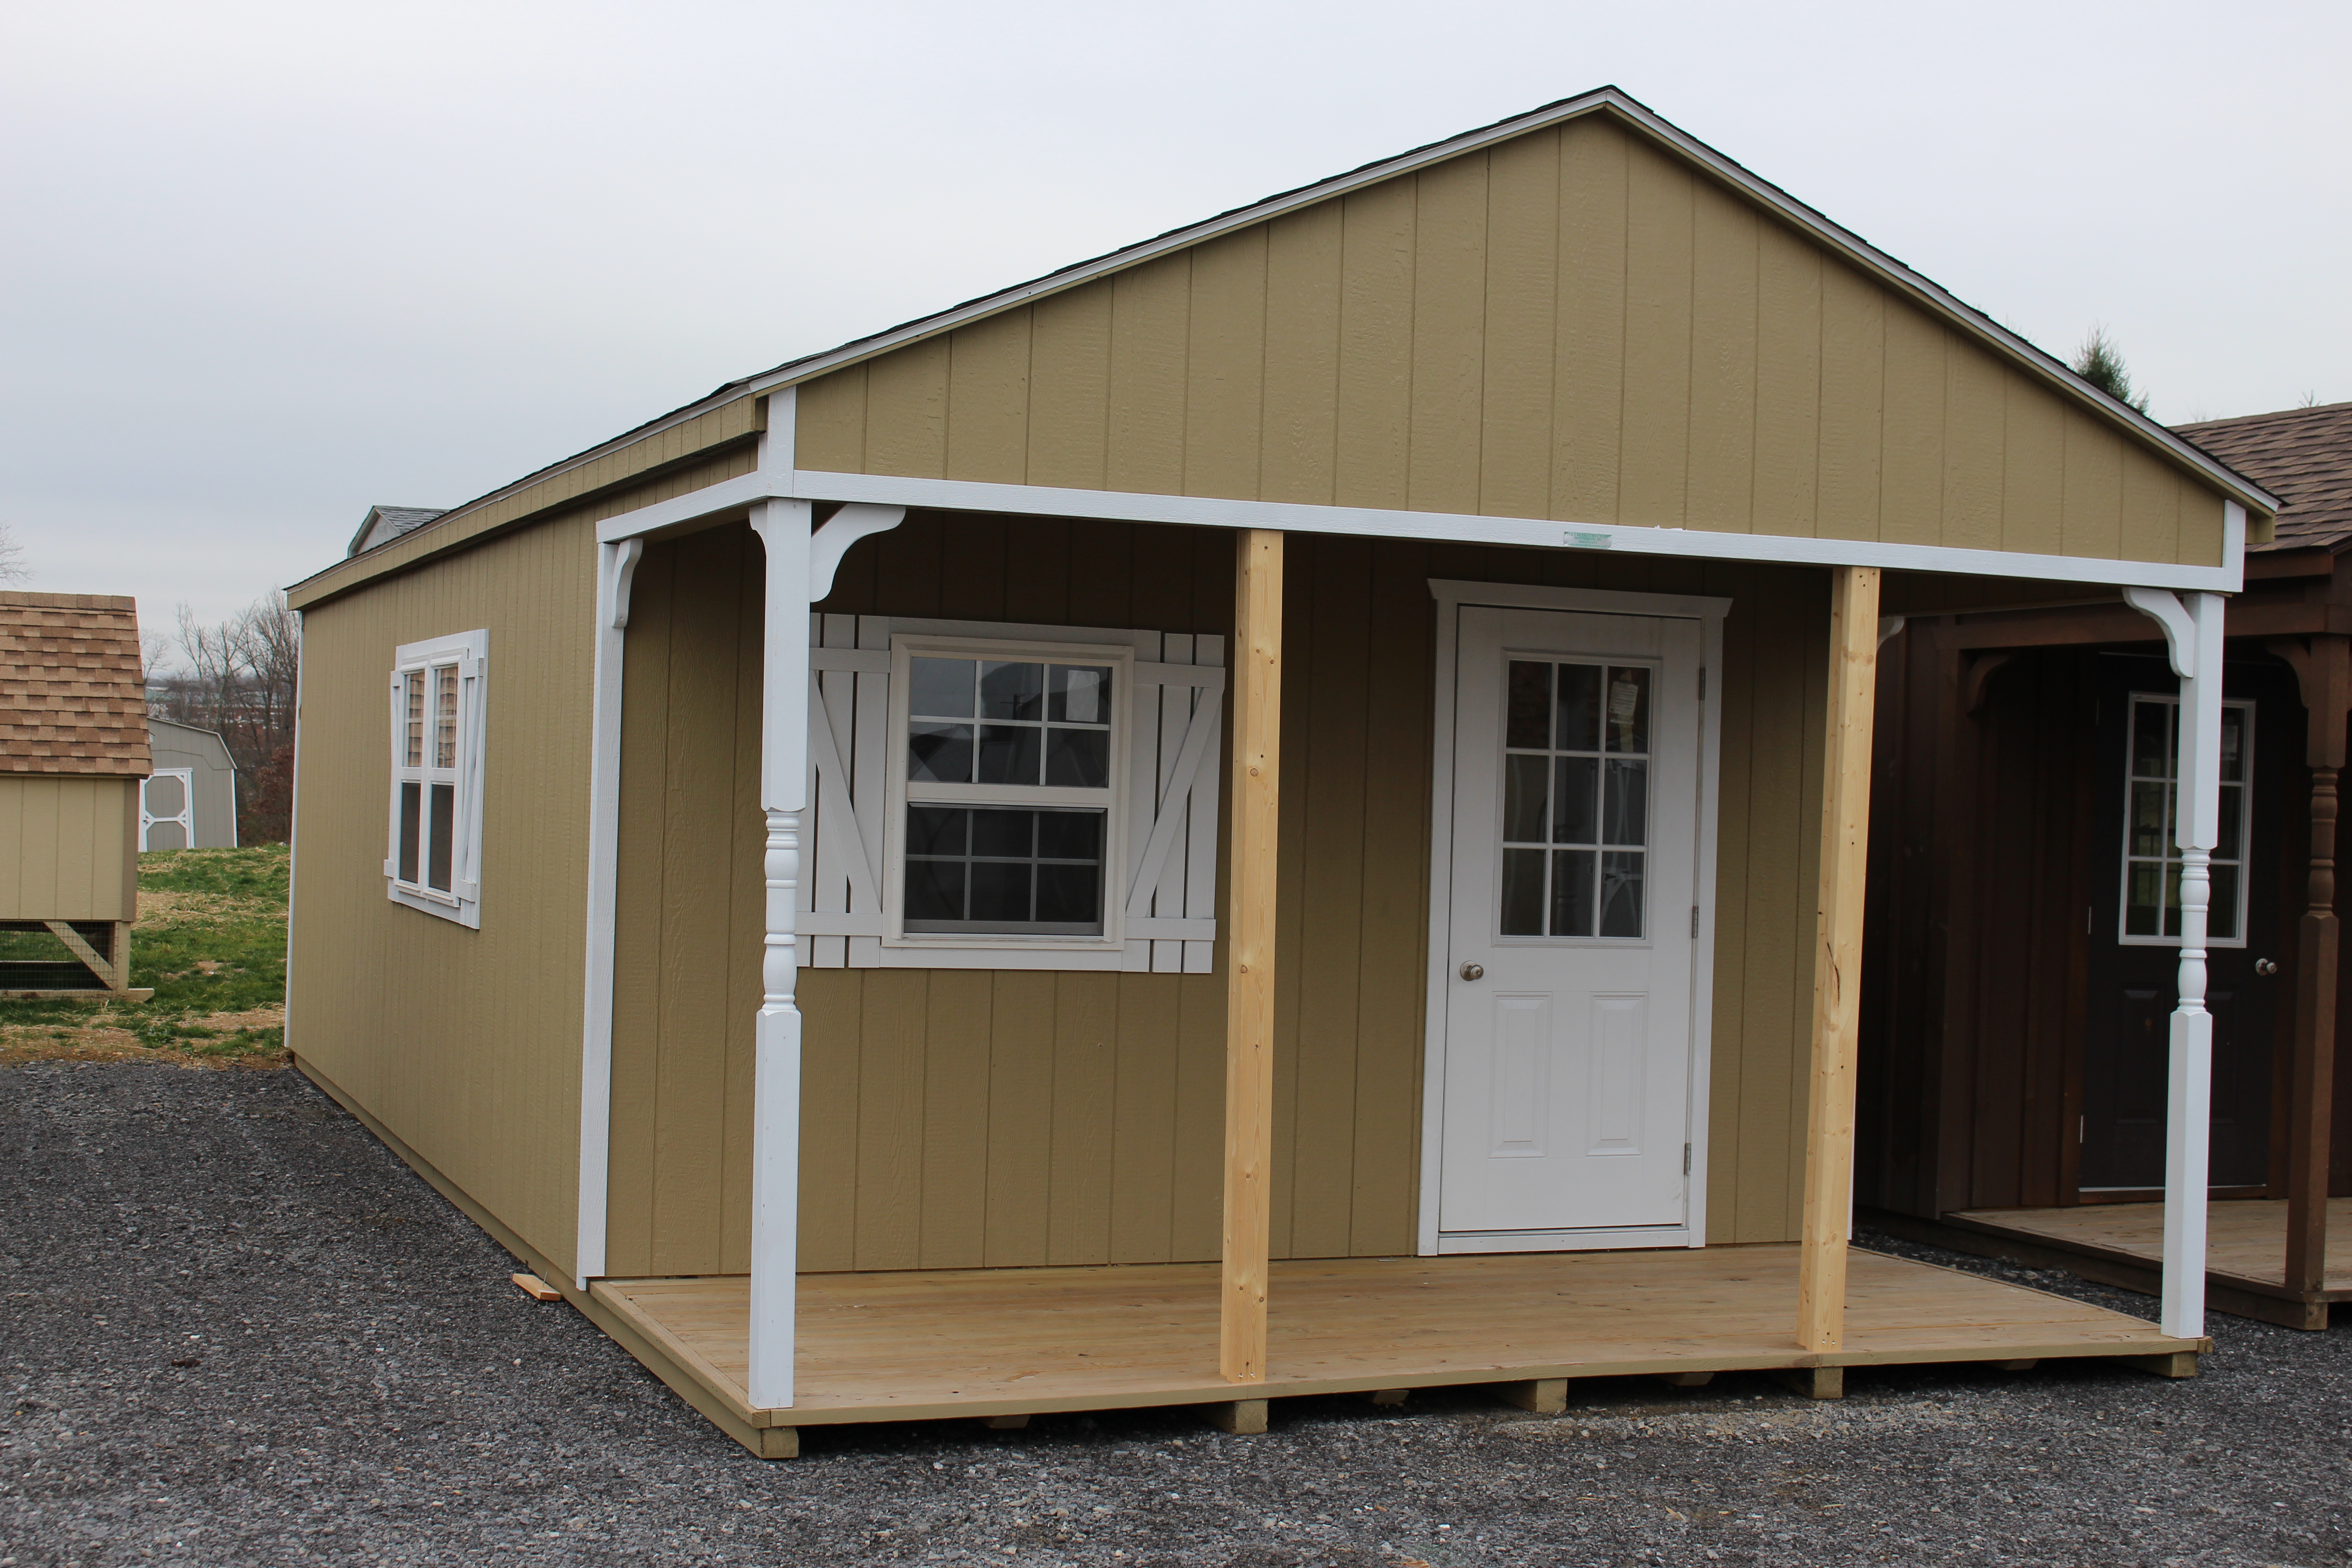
column 2245, row 1237
column 974, row 1342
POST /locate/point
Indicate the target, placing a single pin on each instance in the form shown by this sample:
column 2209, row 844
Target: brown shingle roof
column 70, row 697
column 2303, row 456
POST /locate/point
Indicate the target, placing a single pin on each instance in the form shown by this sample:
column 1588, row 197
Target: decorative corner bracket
column 1889, row 627
column 621, row 558
column 2163, row 607
column 858, row 519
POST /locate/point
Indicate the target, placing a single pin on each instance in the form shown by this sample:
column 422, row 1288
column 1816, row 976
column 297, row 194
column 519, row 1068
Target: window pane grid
column 2152, row 861
column 1008, row 722
column 427, row 851
column 1576, row 792
column 1005, row 869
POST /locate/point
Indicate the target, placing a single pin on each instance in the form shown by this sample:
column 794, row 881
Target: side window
column 1008, row 765
column 437, row 718
column 2151, row 891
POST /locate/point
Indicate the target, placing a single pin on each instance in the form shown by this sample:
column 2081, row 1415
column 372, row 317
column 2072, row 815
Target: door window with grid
column 2151, row 890
column 1011, row 784
column 1576, row 799
column 436, row 776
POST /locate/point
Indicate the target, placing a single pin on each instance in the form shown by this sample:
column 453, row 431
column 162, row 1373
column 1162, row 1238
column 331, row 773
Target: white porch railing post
column 2193, row 630
column 783, row 528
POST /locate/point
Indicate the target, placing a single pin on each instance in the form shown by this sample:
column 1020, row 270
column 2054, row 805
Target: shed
column 2014, row 1049
column 73, row 749
column 189, row 802
column 1278, row 812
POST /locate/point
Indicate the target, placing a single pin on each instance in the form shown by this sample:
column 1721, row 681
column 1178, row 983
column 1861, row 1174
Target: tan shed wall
column 69, row 847
column 464, row 1042
column 958, row 1117
column 1572, row 325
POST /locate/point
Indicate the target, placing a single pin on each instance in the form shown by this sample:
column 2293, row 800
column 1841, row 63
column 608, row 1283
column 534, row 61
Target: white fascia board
column 739, row 495
column 1121, row 506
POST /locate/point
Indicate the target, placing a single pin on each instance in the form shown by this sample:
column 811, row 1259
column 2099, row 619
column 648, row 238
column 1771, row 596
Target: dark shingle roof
column 2303, row 456
column 70, row 697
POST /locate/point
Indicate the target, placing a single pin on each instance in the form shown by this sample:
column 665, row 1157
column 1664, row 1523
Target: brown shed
column 73, row 749
column 2015, row 1046
column 1278, row 812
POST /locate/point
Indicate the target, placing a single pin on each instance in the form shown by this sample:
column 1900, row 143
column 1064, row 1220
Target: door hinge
column 2082, row 1129
column 1694, row 923
column 1686, row 1159
column 1702, row 683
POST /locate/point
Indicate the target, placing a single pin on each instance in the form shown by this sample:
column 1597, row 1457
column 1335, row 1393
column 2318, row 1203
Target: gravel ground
column 237, row 1331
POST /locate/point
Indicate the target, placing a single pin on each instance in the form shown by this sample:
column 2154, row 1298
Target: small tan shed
column 1277, row 812
column 73, row 749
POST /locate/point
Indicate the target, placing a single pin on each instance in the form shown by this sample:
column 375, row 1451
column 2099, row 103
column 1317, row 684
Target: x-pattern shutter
column 1166, row 888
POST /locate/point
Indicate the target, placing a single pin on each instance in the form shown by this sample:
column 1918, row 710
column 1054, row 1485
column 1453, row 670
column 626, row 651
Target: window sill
column 467, row 913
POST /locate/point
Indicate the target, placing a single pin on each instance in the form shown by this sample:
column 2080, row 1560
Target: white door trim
column 1451, row 597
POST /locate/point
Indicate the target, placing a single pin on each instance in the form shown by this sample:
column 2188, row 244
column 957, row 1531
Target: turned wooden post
column 2323, row 670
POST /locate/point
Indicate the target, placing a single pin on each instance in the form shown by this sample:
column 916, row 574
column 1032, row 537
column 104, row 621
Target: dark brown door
column 2136, row 909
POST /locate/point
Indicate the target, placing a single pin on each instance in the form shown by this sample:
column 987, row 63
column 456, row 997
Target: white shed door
column 1568, row 1048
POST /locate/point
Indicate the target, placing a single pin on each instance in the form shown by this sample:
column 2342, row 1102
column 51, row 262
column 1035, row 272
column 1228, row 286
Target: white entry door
column 1571, row 933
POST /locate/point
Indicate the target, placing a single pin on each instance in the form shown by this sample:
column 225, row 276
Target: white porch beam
column 2193, row 633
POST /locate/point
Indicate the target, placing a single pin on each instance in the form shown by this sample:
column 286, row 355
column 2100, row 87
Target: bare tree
column 11, row 557
column 238, row 680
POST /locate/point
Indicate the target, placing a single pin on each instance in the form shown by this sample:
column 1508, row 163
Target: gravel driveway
column 237, row 1331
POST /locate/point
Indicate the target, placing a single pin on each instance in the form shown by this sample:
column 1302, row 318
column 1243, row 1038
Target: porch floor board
column 2245, row 1237
column 954, row 1343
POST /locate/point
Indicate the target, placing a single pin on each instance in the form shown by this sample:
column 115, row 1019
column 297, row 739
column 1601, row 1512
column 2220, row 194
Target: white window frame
column 468, row 652
column 1112, row 799
column 2244, row 785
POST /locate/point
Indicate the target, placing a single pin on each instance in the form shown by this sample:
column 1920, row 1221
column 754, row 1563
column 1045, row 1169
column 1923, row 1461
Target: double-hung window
column 1009, row 764
column 435, row 858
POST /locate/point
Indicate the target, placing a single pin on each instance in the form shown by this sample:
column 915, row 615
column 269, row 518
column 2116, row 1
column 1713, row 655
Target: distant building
column 190, row 800
column 385, row 524
column 73, row 752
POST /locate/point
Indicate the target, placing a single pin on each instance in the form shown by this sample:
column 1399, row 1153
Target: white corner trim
column 1452, row 594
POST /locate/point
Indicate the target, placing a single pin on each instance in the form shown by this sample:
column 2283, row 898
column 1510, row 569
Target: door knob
column 2264, row 966
column 1473, row 971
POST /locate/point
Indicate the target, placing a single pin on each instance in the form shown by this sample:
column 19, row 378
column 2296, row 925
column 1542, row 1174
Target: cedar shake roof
column 71, row 700
column 2303, row 456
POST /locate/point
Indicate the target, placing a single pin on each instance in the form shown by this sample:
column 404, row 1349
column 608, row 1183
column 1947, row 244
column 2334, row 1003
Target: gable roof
column 2304, row 456
column 71, row 700
column 384, row 524
column 1606, row 101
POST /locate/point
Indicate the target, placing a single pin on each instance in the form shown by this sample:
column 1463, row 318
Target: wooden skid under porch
column 956, row 1342
column 2245, row 1247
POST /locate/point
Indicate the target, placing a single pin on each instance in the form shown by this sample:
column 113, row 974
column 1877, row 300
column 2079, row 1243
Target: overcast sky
column 263, row 266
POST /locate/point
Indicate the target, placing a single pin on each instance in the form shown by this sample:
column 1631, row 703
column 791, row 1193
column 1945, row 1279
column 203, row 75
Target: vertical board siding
column 464, row 1042
column 1573, row 324
column 69, row 847
column 963, row 1118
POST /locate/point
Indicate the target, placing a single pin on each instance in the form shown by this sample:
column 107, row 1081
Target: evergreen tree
column 2099, row 363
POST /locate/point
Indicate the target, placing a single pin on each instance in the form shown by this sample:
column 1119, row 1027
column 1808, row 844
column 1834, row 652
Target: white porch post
column 2193, row 630
column 783, row 528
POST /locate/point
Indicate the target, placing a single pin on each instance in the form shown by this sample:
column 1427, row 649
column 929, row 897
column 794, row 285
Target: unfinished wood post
column 1249, row 981
column 1837, row 958
column 2324, row 672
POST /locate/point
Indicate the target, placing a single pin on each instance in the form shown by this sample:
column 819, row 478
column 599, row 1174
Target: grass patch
column 211, row 939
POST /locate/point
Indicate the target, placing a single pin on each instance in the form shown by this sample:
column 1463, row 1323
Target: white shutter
column 1166, row 886
column 849, row 706
column 1171, row 900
